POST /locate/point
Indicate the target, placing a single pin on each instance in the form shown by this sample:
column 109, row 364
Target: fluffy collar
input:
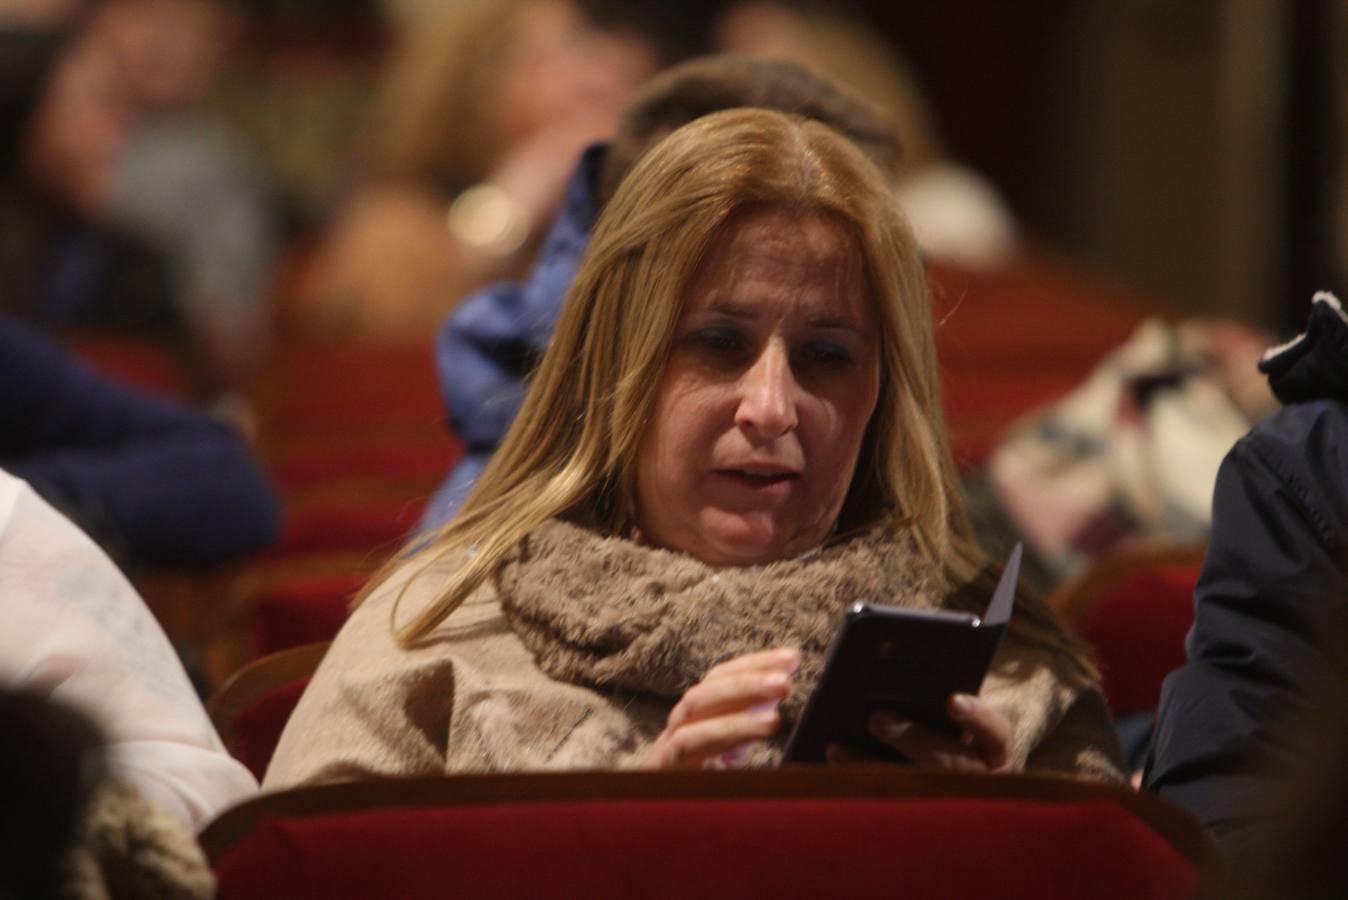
column 614, row 614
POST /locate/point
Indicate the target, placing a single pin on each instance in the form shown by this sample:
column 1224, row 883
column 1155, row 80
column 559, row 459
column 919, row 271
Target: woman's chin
column 736, row 542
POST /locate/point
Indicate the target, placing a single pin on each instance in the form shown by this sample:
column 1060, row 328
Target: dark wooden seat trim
column 250, row 683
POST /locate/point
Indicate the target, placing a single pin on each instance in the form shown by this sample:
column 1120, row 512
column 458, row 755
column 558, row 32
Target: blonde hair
column 436, row 125
column 572, row 450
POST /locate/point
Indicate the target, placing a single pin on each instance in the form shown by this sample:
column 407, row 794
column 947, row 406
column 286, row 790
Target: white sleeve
column 76, row 630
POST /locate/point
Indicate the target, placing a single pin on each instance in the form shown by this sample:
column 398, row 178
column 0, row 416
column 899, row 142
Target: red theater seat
column 377, row 523
column 1135, row 607
column 1012, row 339
column 252, row 706
column 858, row 832
column 1137, row 628
column 138, row 362
column 301, row 609
column 419, row 461
column 330, row 387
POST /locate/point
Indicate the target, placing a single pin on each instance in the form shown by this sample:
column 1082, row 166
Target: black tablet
column 904, row 661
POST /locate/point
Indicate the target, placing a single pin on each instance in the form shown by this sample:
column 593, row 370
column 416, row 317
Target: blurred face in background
column 72, row 145
column 564, row 72
column 170, row 49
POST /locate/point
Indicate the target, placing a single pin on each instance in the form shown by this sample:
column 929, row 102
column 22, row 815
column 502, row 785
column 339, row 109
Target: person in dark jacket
column 156, row 484
column 491, row 341
column 1271, row 605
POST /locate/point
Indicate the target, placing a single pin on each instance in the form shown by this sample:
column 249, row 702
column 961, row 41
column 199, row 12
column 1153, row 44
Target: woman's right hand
column 718, row 718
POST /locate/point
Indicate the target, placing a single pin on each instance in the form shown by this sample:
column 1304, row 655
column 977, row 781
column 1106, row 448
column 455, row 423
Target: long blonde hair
column 572, row 450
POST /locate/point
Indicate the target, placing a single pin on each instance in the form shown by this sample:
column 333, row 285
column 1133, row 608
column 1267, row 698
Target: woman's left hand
column 985, row 745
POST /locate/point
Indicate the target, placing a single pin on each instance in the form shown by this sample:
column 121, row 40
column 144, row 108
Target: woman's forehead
column 771, row 251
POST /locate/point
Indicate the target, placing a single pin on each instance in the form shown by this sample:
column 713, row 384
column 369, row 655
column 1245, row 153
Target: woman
column 63, row 122
column 734, row 434
column 486, row 107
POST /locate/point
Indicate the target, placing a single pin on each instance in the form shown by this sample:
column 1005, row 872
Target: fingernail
column 766, row 719
column 776, row 680
column 962, row 703
column 790, row 657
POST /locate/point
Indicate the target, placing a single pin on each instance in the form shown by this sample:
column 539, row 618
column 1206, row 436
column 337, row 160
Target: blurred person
column 490, row 342
column 1300, row 851
column 734, row 434
column 189, row 187
column 486, row 107
column 1271, row 606
column 71, row 827
column 158, row 484
column 64, row 116
column 39, row 13
column 50, row 762
column 86, row 670
column 77, row 632
column 958, row 216
column 1134, row 451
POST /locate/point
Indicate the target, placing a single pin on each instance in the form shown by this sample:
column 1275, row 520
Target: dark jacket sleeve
column 159, row 484
column 1271, row 613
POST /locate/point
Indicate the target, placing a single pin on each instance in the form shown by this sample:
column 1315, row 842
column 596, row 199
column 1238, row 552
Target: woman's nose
column 767, row 403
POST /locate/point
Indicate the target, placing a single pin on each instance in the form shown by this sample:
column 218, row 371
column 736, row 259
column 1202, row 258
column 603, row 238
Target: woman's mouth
column 764, row 480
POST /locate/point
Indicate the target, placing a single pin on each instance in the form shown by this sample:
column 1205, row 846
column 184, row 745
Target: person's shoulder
column 11, row 489
column 23, row 343
column 1298, row 456
column 411, row 587
column 1307, row 440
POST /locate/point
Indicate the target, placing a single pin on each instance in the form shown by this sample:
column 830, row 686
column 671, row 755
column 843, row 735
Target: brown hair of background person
column 725, row 81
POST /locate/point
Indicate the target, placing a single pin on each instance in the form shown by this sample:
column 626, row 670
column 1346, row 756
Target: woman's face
column 761, row 409
column 563, row 73
column 76, row 136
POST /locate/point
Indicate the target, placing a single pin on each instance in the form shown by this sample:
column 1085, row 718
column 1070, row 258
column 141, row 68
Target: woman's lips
column 765, row 483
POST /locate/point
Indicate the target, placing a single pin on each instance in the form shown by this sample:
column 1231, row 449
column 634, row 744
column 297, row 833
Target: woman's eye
column 826, row 353
column 720, row 340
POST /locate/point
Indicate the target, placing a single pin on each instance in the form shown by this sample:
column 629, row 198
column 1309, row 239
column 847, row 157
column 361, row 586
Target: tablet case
column 905, row 661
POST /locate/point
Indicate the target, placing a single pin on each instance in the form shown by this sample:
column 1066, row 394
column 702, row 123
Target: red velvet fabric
column 331, row 387
column 930, row 848
column 258, row 728
column 1138, row 628
column 138, row 362
column 348, row 524
column 317, row 462
column 1010, row 340
column 302, row 610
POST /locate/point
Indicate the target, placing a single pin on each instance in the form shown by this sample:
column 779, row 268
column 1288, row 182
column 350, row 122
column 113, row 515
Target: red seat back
column 302, row 609
column 258, row 728
column 1137, row 627
column 954, row 849
column 252, row 706
column 450, row 838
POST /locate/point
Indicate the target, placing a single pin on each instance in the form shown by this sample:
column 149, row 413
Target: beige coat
column 474, row 697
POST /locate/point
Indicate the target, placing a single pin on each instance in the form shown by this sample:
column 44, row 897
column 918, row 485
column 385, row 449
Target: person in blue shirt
column 489, row 344
column 157, row 484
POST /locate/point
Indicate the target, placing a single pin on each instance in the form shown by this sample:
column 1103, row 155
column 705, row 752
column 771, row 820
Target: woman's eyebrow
column 844, row 322
column 731, row 308
column 749, row 312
